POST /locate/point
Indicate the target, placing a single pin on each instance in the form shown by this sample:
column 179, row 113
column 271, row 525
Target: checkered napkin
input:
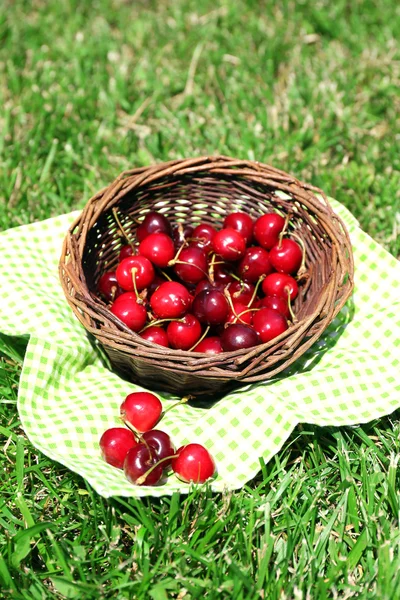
column 67, row 397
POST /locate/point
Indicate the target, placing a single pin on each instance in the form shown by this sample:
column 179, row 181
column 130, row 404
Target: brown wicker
column 205, row 189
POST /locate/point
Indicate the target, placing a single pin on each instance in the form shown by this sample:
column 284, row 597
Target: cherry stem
column 211, row 269
column 201, row 339
column 138, row 298
column 140, row 480
column 302, row 268
column 121, row 228
column 185, row 262
column 181, row 401
column 159, row 322
column 173, row 261
column 113, row 292
column 165, row 275
column 284, row 229
column 238, row 315
column 292, row 315
column 250, row 302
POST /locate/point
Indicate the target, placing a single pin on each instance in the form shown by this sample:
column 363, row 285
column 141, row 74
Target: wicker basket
column 205, row 189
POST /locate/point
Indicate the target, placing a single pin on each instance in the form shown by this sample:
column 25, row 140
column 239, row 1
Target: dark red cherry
column 154, row 222
column 138, row 267
column 125, row 252
column 157, row 281
column 222, row 273
column 115, row 444
column 181, row 233
column 280, row 284
column 158, row 248
column 156, row 335
column 210, row 307
column 210, row 345
column 139, row 461
column 254, row 264
column 241, row 222
column 108, row 286
column 277, row 303
column 286, row 256
column 183, row 334
column 191, row 265
column 203, row 236
column 127, row 309
column 241, row 291
column 170, row 300
column 267, row 229
column 240, row 314
column 238, row 337
column 269, row 324
column 229, row 244
column 205, row 284
column 161, row 442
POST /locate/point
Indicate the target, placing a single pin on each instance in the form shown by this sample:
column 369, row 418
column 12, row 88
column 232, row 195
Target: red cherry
column 210, row 307
column 183, row 334
column 240, row 314
column 139, row 460
column 280, row 284
column 144, row 273
column 191, row 265
column 254, row 264
column 210, row 345
column 125, row 252
column 277, row 303
column 108, row 286
column 170, row 300
column 181, row 234
column 154, row 222
column 238, row 336
column 114, row 445
column 205, row 284
column 241, row 222
column 267, row 229
column 229, row 244
column 286, row 256
column 157, row 335
column 269, row 323
column 157, row 281
column 158, row 248
column 203, row 236
column 241, row 291
column 194, row 464
column 127, row 309
column 222, row 273
column 161, row 442
column 142, row 410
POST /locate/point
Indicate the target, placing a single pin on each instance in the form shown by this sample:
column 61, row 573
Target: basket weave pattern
column 198, row 190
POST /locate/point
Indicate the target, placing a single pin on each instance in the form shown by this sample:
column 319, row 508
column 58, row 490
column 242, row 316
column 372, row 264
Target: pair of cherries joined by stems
column 146, row 454
column 203, row 290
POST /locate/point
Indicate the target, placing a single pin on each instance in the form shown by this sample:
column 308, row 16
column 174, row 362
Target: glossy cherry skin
column 193, row 464
column 125, row 252
column 161, row 442
column 277, row 303
column 210, row 307
column 154, row 222
column 181, row 233
column 286, row 256
column 280, row 284
column 229, row 244
column 267, row 229
column 170, row 300
column 242, row 223
column 144, row 273
column 142, row 410
column 254, row 264
column 157, row 335
column 127, row 309
column 159, row 248
column 205, row 284
column 115, row 444
column 222, row 273
column 241, row 291
column 269, row 324
column 183, row 334
column 238, row 336
column 191, row 265
column 203, row 236
column 210, row 345
column 138, row 461
column 108, row 286
column 240, row 314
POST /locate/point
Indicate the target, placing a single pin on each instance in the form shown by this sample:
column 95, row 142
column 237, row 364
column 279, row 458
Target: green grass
column 88, row 89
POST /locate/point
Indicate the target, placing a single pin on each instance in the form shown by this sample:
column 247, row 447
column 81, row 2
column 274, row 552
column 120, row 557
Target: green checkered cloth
column 67, row 397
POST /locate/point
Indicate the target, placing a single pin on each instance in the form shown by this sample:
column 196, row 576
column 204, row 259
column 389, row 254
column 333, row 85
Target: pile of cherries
column 207, row 290
column 146, row 454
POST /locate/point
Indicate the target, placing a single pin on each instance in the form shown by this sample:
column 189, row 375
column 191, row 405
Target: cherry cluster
column 146, row 454
column 207, row 290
